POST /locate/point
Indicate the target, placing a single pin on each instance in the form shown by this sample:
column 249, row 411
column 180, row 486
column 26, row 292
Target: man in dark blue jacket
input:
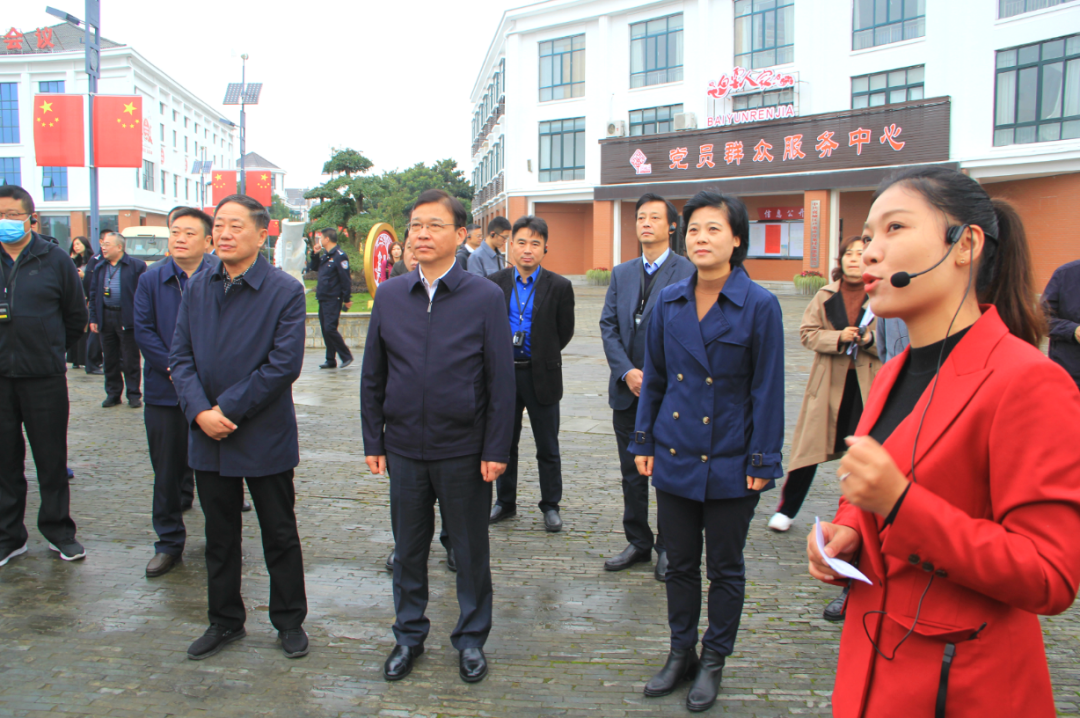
column 437, row 401
column 1062, row 301
column 112, row 315
column 157, row 302
column 333, row 291
column 42, row 315
column 238, row 348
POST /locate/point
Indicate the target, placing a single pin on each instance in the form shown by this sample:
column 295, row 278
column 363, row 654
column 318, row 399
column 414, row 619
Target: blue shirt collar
column 651, row 268
column 532, row 277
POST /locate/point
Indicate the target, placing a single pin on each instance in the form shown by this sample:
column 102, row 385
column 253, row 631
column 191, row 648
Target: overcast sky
column 389, row 78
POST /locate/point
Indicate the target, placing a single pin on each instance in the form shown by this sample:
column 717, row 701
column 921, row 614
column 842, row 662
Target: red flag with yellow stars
column 257, row 186
column 224, row 184
column 118, row 131
column 58, row 131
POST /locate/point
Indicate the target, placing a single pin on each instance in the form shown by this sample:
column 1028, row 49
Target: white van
column 147, row 243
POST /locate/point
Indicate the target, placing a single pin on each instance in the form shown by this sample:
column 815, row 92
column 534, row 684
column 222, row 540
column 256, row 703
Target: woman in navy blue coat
column 710, row 427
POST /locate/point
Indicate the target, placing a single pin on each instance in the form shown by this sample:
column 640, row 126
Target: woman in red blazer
column 961, row 501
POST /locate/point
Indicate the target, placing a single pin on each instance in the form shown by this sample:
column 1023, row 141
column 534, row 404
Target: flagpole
column 243, row 123
column 93, row 55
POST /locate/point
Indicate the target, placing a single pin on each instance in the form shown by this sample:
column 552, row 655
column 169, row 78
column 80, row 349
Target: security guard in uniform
column 333, row 290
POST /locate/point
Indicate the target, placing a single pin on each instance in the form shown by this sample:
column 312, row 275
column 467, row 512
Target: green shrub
column 600, row 276
column 809, row 282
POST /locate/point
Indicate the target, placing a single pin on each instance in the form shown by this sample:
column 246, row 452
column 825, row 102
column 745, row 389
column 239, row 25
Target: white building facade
column 571, row 92
column 179, row 128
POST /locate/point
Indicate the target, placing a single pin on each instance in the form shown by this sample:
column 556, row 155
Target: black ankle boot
column 681, row 666
column 707, row 684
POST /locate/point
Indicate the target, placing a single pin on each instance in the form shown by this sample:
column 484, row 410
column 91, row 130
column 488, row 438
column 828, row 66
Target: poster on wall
column 776, row 240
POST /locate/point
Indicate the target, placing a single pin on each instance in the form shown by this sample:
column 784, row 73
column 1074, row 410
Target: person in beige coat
column 845, row 363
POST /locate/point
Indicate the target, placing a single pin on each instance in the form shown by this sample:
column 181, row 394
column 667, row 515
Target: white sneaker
column 779, row 523
column 13, row 554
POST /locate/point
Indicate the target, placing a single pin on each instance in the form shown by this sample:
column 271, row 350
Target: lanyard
column 528, row 297
column 109, row 275
column 645, row 291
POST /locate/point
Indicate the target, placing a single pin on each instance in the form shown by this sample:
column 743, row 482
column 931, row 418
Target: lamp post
column 243, row 94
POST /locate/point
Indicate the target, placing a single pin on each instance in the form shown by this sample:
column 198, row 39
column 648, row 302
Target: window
column 53, row 86
column 886, row 88
column 656, row 51
column 54, row 183
column 164, row 176
column 1008, row 8
column 772, row 98
column 174, row 138
column 653, row 120
column 10, row 170
column 879, row 22
column 562, row 68
column 161, row 108
column 163, row 134
column 1038, row 92
column 187, row 189
column 175, row 186
column 56, row 226
column 9, row 113
column 185, row 123
column 562, row 150
column 764, row 32
column 175, row 115
column 148, row 175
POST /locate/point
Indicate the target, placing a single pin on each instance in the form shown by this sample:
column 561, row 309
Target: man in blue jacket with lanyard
column 238, row 348
column 437, row 409
column 157, row 302
column 631, row 296
column 333, row 291
column 112, row 315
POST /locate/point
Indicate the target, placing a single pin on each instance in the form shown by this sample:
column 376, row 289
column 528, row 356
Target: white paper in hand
column 841, row 567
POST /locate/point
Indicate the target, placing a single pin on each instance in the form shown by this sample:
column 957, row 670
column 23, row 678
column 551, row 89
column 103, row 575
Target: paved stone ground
column 97, row 638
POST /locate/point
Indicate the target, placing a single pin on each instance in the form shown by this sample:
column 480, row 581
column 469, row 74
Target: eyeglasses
column 14, row 215
column 431, row 226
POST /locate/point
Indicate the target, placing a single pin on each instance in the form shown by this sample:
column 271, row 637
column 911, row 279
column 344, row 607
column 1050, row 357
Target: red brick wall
column 603, row 229
column 570, row 236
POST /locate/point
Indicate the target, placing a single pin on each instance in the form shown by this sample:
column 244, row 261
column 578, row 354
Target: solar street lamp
column 243, row 94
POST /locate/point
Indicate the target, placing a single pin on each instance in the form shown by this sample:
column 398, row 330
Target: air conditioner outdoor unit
column 685, row 121
column 616, row 128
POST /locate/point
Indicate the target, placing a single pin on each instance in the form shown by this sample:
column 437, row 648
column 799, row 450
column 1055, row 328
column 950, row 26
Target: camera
column 519, row 338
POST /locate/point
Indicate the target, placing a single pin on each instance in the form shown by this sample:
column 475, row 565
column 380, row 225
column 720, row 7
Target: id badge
column 5, row 312
column 108, row 292
column 637, row 321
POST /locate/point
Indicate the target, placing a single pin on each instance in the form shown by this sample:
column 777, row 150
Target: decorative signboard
column 906, row 133
column 377, row 255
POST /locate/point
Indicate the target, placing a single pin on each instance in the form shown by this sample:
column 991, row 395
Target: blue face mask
column 12, row 231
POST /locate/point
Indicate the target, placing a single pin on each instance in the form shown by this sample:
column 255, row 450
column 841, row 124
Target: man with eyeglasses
column 437, row 410
column 42, row 315
column 488, row 258
column 112, row 316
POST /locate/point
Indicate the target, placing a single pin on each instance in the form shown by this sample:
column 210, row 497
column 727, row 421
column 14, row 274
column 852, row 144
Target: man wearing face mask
column 42, row 315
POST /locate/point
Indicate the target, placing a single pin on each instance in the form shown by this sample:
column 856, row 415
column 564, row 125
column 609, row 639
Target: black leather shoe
column 111, row 401
column 552, row 521
column 473, row 665
column 245, row 507
column 161, row 564
column 294, row 642
column 835, row 610
column 328, row 365
column 400, row 662
column 627, row 558
column 95, row 370
column 500, row 513
column 215, row 638
column 706, row 685
column 451, row 562
column 660, row 572
column 681, row 666
column 135, row 403
column 346, row 363
column 390, row 561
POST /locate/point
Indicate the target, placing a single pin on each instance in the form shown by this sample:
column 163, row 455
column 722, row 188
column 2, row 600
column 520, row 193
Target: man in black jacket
column 42, row 315
column 112, row 315
column 436, row 404
column 333, row 291
column 540, row 305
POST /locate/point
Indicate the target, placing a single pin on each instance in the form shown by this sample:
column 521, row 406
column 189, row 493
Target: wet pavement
column 97, row 638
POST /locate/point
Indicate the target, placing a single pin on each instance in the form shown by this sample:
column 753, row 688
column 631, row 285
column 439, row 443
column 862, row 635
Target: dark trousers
column 725, row 523
column 465, row 501
column 122, row 365
column 329, row 312
column 40, row 406
column 635, row 487
column 167, row 437
column 795, row 489
column 274, row 498
column 76, row 355
column 93, row 351
column 545, row 429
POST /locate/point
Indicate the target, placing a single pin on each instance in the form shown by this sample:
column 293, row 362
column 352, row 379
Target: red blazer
column 994, row 517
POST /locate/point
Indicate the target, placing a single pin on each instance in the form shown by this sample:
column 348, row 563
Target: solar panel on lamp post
column 243, row 94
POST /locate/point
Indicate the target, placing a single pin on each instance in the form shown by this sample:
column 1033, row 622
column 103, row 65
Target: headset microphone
column 902, row 279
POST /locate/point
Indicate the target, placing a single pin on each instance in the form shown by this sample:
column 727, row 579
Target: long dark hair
column 838, row 271
column 84, row 256
column 1005, row 277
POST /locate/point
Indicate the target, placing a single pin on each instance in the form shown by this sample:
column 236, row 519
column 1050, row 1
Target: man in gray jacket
column 488, row 258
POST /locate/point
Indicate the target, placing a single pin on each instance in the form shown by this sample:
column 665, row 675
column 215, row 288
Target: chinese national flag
column 257, row 186
column 58, row 131
column 118, row 131
column 275, row 227
column 224, row 184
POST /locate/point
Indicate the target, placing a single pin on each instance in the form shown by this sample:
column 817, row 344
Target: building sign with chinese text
column 907, row 133
column 758, row 114
column 743, row 80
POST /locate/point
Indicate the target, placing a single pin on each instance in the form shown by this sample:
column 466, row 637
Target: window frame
column 567, row 84
column 758, row 57
column 9, row 113
column 51, row 83
column 1050, row 3
column 50, row 191
column 780, row 95
column 16, row 169
column 577, row 131
column 667, row 73
column 1068, row 59
column 148, row 176
column 870, row 92
column 872, row 30
column 656, row 121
